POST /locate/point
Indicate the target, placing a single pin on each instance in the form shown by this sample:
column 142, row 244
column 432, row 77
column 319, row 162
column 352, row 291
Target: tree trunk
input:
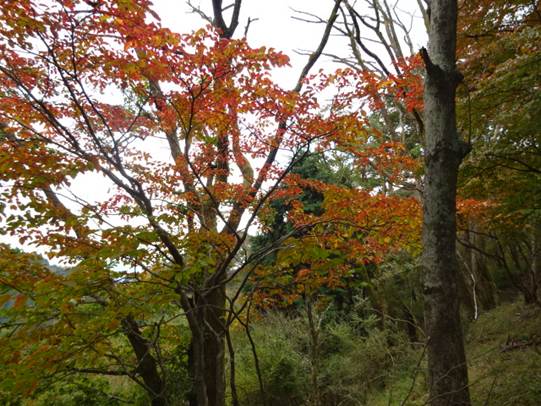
column 466, row 285
column 215, row 347
column 411, row 325
column 147, row 366
column 487, row 288
column 447, row 369
column 535, row 268
column 207, row 351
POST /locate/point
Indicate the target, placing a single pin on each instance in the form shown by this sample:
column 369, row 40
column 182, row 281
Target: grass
column 504, row 362
column 504, row 353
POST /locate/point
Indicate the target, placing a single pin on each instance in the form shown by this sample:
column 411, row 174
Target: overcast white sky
column 276, row 28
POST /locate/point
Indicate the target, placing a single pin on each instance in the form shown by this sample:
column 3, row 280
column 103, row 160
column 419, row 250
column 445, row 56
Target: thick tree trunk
column 199, row 396
column 215, row 347
column 207, row 351
column 447, row 369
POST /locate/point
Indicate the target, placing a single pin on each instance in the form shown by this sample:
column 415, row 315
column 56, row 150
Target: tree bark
column 214, row 343
column 447, row 369
column 536, row 260
column 206, row 316
column 147, row 367
column 487, row 288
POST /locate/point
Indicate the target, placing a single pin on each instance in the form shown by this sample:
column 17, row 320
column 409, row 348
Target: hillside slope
column 504, row 357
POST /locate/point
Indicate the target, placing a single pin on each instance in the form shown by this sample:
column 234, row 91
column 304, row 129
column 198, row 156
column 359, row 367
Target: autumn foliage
column 187, row 140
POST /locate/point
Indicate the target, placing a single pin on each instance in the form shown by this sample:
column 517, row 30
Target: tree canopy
column 184, row 196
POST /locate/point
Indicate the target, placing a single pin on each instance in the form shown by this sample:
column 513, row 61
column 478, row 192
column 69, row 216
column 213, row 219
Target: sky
column 275, row 27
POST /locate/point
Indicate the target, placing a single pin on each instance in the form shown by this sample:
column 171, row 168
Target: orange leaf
column 20, row 301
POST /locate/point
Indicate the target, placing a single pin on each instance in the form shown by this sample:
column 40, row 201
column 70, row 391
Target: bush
column 282, row 365
column 350, row 364
column 77, row 391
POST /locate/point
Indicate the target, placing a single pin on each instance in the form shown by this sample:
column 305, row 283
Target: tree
column 499, row 53
column 448, row 378
column 173, row 228
column 76, row 321
column 379, row 36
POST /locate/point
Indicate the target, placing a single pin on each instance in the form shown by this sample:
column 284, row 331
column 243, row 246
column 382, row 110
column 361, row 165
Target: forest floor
column 504, row 362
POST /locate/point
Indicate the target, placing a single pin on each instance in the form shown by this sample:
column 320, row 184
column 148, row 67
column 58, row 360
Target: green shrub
column 77, row 391
column 282, row 366
column 350, row 365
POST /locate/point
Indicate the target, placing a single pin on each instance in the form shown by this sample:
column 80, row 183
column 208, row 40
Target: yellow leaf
column 4, row 298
